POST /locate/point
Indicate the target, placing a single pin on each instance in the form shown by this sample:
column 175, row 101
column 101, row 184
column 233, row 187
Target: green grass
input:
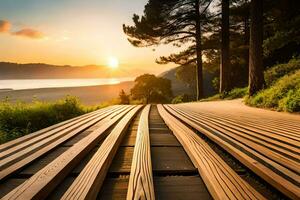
column 283, row 95
column 282, row 92
column 18, row 119
column 278, row 71
column 233, row 94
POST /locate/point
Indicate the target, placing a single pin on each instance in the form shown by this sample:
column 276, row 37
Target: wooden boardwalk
column 157, row 152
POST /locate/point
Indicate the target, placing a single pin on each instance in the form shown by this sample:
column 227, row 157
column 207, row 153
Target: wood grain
column 45, row 180
column 90, row 180
column 18, row 160
column 221, row 180
column 264, row 162
column 141, row 180
column 55, row 127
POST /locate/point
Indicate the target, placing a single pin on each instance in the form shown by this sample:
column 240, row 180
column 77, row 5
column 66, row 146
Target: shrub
column 180, row 99
column 123, row 97
column 284, row 95
column 20, row 118
column 151, row 89
column 278, row 71
column 237, row 93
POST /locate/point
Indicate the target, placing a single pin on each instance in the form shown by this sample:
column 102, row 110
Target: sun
column 113, row 62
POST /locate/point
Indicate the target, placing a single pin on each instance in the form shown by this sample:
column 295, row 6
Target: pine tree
column 256, row 75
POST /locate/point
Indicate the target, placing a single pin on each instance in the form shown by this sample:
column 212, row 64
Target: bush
column 237, row 93
column 278, row 71
column 123, row 97
column 20, row 119
column 284, row 95
column 180, row 99
column 151, row 89
column 233, row 94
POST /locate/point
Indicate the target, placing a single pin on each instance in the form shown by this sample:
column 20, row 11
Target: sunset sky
column 74, row 32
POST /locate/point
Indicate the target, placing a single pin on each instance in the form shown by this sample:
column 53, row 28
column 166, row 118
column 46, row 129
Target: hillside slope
column 180, row 87
column 45, row 71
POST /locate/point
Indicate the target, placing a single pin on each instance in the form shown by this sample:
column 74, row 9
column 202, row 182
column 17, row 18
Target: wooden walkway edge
column 221, row 180
column 90, row 180
column 185, row 151
column 271, row 171
column 42, row 183
column 141, row 180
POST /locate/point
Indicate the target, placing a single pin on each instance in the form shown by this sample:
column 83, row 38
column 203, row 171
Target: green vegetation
column 278, row 71
column 151, row 89
column 181, row 99
column 282, row 91
column 232, row 94
column 283, row 95
column 18, row 119
column 124, row 98
column 220, row 31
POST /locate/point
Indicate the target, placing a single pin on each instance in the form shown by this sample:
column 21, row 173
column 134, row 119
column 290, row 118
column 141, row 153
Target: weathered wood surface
column 147, row 160
column 21, row 140
column 37, row 139
column 43, row 182
column 24, row 156
column 220, row 179
column 90, row 180
column 141, row 181
column 265, row 142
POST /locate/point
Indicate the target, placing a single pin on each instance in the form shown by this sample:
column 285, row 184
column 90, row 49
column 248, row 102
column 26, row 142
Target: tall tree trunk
column 225, row 71
column 199, row 73
column 256, row 76
column 246, row 43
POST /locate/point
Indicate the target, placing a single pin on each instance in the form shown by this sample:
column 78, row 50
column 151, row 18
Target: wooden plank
column 221, row 180
column 122, row 161
column 34, row 167
column 16, row 151
column 240, row 152
column 276, row 139
column 180, row 187
column 129, row 140
column 257, row 119
column 43, row 182
column 114, row 188
column 17, row 161
column 163, row 140
column 10, row 184
column 269, row 148
column 90, row 180
column 141, row 181
column 169, row 160
column 58, row 126
column 288, row 167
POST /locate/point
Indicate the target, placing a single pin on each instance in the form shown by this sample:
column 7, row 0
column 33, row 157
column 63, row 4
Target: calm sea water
column 20, row 84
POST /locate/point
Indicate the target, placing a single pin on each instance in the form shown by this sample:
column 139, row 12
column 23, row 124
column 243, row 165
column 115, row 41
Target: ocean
column 21, row 84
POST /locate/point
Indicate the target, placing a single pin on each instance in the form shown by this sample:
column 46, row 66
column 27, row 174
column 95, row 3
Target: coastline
column 88, row 95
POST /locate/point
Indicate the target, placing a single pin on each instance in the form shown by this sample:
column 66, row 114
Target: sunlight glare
column 113, row 62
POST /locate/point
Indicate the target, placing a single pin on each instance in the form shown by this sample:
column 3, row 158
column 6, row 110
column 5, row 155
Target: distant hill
column 180, row 87
column 44, row 71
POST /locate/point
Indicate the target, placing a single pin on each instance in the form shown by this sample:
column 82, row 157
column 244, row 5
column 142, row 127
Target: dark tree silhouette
column 124, row 98
column 173, row 21
column 152, row 89
column 256, row 75
column 225, row 70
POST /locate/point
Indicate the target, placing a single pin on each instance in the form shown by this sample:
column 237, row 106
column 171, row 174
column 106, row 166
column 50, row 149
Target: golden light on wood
column 113, row 62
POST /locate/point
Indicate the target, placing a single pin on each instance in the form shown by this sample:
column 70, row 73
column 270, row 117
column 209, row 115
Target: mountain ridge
column 9, row 70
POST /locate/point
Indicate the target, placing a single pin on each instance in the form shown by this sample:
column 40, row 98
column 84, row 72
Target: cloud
column 30, row 33
column 4, row 26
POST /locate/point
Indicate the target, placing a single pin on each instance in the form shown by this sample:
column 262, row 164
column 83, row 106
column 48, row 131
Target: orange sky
column 74, row 32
